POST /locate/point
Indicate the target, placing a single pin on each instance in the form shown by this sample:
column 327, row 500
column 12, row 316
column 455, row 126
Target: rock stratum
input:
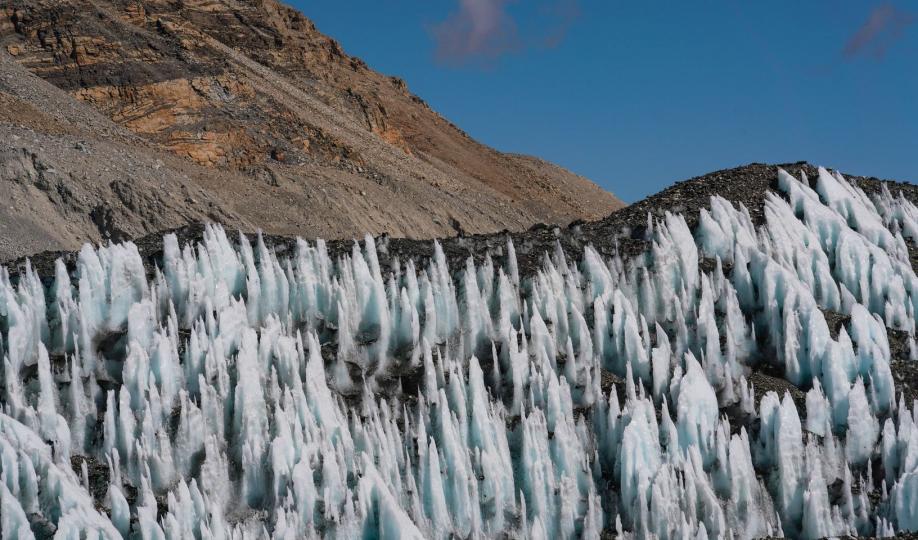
column 734, row 357
column 124, row 117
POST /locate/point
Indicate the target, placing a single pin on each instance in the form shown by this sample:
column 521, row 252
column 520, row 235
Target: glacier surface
column 232, row 392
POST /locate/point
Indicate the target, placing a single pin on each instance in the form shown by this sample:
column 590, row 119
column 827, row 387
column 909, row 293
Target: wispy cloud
column 562, row 14
column 483, row 30
column 885, row 24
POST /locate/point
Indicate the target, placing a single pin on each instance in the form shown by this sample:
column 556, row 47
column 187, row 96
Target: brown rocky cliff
column 279, row 124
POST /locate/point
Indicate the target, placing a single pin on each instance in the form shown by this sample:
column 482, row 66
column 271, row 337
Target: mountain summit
column 126, row 117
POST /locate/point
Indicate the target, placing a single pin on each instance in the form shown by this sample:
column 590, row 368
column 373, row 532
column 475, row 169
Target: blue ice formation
column 235, row 393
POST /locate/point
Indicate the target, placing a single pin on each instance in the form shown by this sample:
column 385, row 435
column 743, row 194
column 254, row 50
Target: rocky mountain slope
column 127, row 116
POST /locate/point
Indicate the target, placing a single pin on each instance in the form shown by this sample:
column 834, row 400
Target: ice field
column 234, row 393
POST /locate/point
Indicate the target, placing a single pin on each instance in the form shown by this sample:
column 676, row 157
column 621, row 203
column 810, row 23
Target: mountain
column 127, row 117
column 732, row 357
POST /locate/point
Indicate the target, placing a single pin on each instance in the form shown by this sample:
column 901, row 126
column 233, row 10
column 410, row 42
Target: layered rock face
column 272, row 120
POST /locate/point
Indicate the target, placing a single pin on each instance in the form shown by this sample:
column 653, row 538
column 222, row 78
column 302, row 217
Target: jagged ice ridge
column 240, row 394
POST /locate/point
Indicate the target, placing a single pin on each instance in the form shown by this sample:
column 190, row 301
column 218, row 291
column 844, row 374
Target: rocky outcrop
column 277, row 121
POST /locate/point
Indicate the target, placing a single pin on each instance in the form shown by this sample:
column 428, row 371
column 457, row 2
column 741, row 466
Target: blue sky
column 637, row 95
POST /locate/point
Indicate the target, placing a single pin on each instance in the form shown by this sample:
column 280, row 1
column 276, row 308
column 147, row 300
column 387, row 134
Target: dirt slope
column 243, row 112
